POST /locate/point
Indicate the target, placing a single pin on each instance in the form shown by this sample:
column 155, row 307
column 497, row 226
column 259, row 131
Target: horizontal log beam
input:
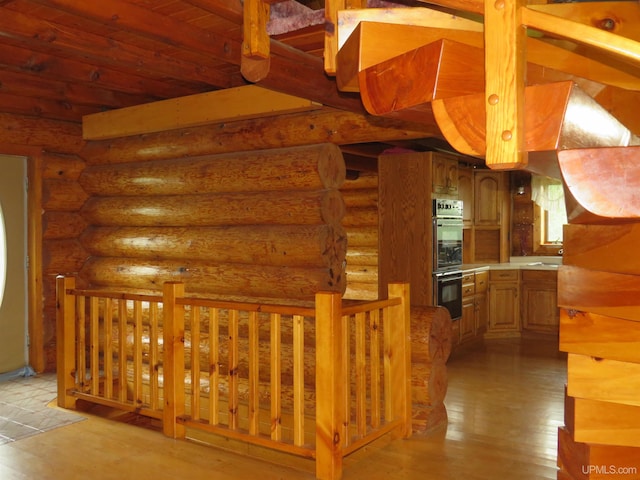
column 258, row 281
column 278, row 245
column 602, row 293
column 326, row 125
column 307, row 167
column 299, row 207
column 602, row 336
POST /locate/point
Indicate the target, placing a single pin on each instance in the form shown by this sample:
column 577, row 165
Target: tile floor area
column 25, row 410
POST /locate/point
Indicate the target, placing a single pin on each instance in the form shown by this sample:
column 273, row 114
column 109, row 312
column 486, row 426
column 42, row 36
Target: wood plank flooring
column 505, row 402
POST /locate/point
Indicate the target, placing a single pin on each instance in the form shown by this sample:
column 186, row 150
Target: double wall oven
column 447, row 255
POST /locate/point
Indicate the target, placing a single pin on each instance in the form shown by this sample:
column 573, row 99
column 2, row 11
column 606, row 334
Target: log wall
column 55, row 196
column 265, row 224
column 361, row 224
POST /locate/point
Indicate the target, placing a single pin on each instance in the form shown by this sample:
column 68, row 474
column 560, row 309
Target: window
column 551, row 213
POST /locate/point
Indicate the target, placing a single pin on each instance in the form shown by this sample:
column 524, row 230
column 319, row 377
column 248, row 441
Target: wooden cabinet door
column 445, row 175
column 487, row 198
column 467, row 320
column 504, row 311
column 540, row 301
column 480, row 301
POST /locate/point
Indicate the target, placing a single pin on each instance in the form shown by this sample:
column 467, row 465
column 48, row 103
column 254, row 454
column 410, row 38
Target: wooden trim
column 34, row 273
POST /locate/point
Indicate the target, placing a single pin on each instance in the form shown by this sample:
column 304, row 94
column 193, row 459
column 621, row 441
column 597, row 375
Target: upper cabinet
column 488, row 198
column 485, row 194
column 445, row 174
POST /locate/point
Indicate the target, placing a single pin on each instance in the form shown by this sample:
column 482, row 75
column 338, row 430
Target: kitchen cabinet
column 467, row 320
column 473, row 321
column 480, row 301
column 488, row 198
column 485, row 194
column 540, row 301
column 445, row 175
column 504, row 304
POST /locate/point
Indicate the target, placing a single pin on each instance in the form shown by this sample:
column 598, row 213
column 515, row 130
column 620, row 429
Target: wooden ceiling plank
column 231, row 104
column 23, row 84
column 228, row 9
column 43, row 107
column 47, row 37
column 51, row 67
column 143, row 21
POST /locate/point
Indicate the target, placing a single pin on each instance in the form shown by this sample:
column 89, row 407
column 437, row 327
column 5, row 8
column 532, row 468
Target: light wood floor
column 505, row 402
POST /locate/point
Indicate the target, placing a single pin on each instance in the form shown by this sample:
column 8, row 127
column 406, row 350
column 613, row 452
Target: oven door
column 447, row 248
column 448, row 292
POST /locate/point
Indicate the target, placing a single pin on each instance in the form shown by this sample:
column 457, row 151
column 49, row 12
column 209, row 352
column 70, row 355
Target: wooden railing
column 319, row 383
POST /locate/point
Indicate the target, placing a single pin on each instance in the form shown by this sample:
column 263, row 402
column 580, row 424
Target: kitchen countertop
column 520, row 263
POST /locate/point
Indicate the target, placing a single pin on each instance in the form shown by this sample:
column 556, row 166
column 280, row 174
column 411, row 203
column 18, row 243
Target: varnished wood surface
column 505, row 402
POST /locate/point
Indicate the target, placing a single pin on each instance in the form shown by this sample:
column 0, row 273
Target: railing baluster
column 276, row 377
column 214, row 365
column 374, row 354
column 108, row 348
column 153, row 356
column 254, row 374
column 233, row 369
column 298, row 380
column 81, row 372
column 195, row 362
column 361, row 374
column 94, row 344
column 137, row 353
column 122, row 350
column 346, row 359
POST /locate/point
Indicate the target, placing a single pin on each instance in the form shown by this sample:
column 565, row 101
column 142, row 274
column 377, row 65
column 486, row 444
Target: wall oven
column 447, row 255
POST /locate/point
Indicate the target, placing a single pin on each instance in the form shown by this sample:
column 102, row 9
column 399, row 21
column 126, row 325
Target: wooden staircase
column 523, row 101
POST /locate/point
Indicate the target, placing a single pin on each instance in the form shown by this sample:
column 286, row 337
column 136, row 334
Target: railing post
column 399, row 325
column 173, row 362
column 65, row 340
column 331, row 379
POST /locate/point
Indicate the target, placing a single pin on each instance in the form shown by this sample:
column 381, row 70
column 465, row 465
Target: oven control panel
column 444, row 207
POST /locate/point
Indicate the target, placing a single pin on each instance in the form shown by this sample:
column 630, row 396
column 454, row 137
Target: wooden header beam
column 213, row 107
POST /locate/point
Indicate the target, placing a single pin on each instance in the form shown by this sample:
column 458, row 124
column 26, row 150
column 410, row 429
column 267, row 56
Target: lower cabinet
column 504, row 303
column 540, row 301
column 472, row 323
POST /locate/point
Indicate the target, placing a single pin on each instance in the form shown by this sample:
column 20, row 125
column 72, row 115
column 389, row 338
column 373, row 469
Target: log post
column 173, row 363
column 331, row 380
column 66, row 341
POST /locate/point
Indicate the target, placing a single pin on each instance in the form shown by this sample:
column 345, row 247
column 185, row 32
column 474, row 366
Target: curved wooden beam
column 604, row 183
column 462, row 119
column 409, row 82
